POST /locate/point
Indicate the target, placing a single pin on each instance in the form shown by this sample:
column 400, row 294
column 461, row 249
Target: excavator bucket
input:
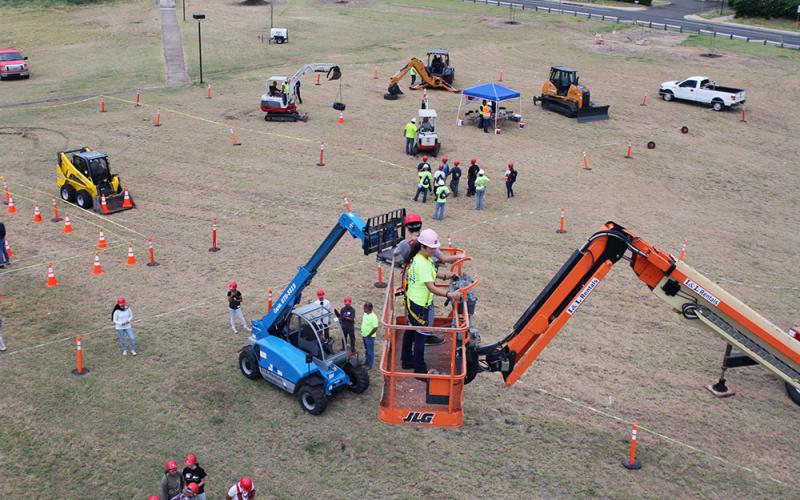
column 334, row 73
column 592, row 114
column 394, row 89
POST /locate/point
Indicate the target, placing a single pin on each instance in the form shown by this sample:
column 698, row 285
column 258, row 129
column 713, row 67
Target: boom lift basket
column 433, row 400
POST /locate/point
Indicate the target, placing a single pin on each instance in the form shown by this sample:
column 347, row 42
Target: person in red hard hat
column 511, row 178
column 324, row 322
column 235, row 306
column 172, row 482
column 194, row 475
column 190, row 492
column 472, row 175
column 347, row 318
column 122, row 315
column 455, row 177
column 242, row 490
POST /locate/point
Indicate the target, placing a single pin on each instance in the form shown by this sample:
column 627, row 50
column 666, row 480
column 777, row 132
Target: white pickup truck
column 702, row 89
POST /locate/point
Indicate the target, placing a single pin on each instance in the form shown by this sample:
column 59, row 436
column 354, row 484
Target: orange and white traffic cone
column 208, row 92
column 375, row 72
column 317, row 79
column 102, row 104
column 682, row 253
column 103, row 204
column 55, row 218
column 126, row 200
column 501, row 74
column 234, row 139
column 51, row 277
column 152, row 262
column 644, row 100
column 37, row 215
column 346, row 203
column 632, row 463
column 269, row 300
column 138, row 97
column 340, row 121
column 6, row 194
column 380, row 283
column 67, row 224
column 97, row 269
column 628, row 155
column 158, row 117
column 562, row 222
column 79, row 368
column 11, row 208
column 101, row 240
column 8, row 250
column 131, row 257
column 585, row 161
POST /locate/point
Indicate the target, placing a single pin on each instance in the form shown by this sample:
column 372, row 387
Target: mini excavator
column 282, row 106
column 436, row 399
column 426, row 80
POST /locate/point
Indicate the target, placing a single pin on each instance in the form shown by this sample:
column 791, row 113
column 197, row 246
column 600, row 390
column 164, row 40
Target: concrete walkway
column 173, row 46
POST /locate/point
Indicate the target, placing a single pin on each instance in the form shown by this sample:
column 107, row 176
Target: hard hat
column 473, row 160
column 191, row 459
column 424, row 158
column 348, row 300
column 511, row 164
column 480, row 172
column 172, row 464
column 232, row 285
column 320, row 293
column 246, row 483
column 153, row 497
column 429, row 238
column 457, row 162
column 413, row 120
column 194, row 487
column 441, row 166
column 444, row 159
column 411, row 218
column 440, row 181
column 120, row 301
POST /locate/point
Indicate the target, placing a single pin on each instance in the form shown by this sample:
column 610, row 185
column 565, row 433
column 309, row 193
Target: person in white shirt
column 122, row 316
column 324, row 322
column 242, row 490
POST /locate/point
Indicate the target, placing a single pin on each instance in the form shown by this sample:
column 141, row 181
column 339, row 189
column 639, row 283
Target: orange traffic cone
column 585, row 161
column 317, row 79
column 131, row 257
column 102, row 104
column 126, row 200
column 67, row 224
column 375, row 72
column 158, row 117
column 6, row 194
column 341, row 118
column 682, row 254
column 234, row 139
column 37, row 215
column 346, row 203
column 8, row 250
column 97, row 269
column 11, row 208
column 51, row 277
column 208, row 92
column 501, row 74
column 644, row 101
column 103, row 204
column 101, row 240
column 138, row 97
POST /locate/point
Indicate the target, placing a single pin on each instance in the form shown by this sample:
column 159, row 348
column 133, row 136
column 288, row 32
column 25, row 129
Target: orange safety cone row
column 340, row 121
column 158, row 117
column 97, row 269
column 101, row 240
column 103, row 204
column 11, row 208
column 37, row 215
column 51, row 277
column 8, row 250
column 131, row 257
column 234, row 139
column 126, row 200
column 585, row 161
column 67, row 224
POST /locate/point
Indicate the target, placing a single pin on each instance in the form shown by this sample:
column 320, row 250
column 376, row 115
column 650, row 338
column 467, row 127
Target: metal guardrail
column 636, row 22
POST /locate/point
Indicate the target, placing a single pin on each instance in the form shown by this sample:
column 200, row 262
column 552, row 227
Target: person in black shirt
column 193, row 473
column 347, row 318
column 235, row 307
column 472, row 174
column 4, row 259
column 455, row 177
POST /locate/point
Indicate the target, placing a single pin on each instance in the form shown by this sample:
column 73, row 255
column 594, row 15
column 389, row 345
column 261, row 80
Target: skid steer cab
column 85, row 179
column 308, row 357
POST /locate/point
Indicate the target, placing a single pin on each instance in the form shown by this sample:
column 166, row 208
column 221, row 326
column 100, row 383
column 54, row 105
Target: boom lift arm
column 688, row 292
column 378, row 233
column 427, row 80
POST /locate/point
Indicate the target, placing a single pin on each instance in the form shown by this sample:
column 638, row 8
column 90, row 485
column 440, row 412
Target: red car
column 12, row 64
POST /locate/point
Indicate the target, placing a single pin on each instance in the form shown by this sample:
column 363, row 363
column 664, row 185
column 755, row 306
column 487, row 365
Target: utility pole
column 270, row 15
column 721, row 6
column 184, row 10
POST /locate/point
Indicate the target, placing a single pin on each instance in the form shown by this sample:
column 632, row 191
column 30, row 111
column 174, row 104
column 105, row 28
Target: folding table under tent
column 493, row 92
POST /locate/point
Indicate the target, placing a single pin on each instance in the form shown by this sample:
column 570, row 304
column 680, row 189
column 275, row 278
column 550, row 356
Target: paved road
column 669, row 14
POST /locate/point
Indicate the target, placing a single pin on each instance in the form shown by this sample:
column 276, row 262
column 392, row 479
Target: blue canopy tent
column 493, row 92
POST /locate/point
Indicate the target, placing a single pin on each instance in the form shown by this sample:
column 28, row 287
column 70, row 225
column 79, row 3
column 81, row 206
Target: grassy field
column 728, row 187
column 774, row 23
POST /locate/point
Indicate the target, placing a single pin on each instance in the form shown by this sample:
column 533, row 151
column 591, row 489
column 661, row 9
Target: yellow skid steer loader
column 84, row 176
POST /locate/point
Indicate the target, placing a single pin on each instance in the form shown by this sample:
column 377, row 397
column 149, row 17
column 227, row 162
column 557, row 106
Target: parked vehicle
column 704, row 90
column 13, row 64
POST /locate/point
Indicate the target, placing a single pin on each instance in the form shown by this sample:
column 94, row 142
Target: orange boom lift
column 751, row 339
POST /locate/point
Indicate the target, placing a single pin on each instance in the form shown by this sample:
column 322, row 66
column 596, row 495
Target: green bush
column 765, row 8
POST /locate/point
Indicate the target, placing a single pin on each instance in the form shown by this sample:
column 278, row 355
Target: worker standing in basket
column 411, row 135
column 419, row 297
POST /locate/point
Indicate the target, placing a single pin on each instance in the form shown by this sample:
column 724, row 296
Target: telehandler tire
column 312, row 399
column 359, row 376
column 248, row 364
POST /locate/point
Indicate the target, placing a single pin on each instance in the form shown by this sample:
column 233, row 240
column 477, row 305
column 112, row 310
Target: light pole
column 199, row 16
column 184, row 10
column 721, row 6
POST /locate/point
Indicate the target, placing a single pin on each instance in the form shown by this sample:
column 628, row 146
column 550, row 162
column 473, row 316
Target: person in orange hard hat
column 235, row 306
column 172, row 482
column 194, row 475
column 242, row 490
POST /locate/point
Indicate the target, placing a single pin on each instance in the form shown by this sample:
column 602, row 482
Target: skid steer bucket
column 113, row 202
column 592, row 114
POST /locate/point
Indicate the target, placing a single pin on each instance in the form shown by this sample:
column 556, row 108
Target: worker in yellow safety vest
column 413, row 74
column 410, row 132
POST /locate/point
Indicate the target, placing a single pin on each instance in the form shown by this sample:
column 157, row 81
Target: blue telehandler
column 292, row 347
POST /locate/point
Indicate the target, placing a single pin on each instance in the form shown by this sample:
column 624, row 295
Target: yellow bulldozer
column 84, row 177
column 563, row 94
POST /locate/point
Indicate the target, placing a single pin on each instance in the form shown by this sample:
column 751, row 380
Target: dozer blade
column 592, row 114
column 113, row 202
